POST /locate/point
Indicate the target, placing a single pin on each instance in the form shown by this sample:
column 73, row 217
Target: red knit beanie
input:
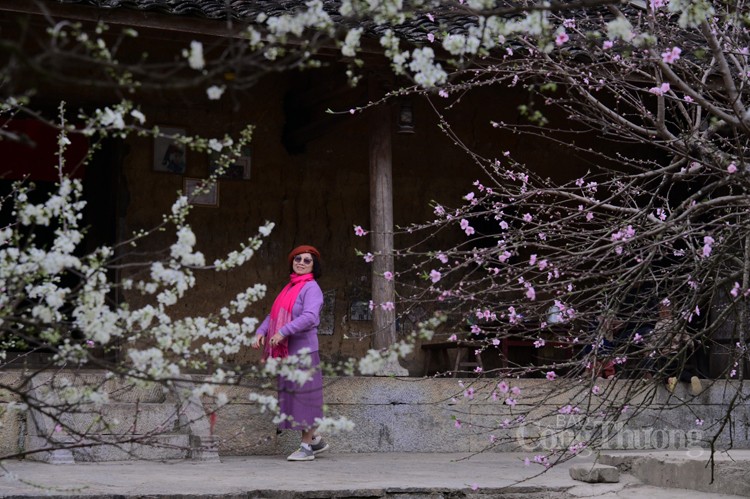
column 303, row 249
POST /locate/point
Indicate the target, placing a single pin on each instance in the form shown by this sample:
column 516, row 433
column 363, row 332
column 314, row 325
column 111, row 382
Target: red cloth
column 281, row 314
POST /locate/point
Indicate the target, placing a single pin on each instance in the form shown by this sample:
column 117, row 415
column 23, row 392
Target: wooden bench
column 468, row 356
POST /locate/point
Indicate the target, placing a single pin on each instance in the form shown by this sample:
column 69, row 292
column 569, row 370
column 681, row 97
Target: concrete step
column 117, row 390
column 724, row 472
column 104, row 448
column 122, row 418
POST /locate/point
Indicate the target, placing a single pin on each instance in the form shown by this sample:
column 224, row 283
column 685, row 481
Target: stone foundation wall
column 462, row 415
column 472, row 415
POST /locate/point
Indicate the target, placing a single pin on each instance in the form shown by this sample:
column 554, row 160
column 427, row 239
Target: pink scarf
column 281, row 315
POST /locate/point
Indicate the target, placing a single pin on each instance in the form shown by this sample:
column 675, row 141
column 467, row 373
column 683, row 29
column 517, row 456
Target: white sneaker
column 302, row 454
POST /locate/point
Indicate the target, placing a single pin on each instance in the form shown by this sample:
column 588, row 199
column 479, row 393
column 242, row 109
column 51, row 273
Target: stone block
column 438, row 430
column 243, row 430
column 119, row 418
column 11, row 429
column 597, row 473
column 374, row 427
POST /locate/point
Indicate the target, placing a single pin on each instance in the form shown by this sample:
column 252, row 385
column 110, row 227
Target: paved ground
column 399, row 475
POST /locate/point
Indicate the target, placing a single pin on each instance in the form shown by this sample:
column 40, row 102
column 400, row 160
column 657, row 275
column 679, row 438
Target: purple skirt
column 302, row 404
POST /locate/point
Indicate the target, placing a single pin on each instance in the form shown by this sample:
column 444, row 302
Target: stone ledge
column 597, row 473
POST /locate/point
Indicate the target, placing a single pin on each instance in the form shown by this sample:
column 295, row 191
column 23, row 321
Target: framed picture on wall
column 201, row 192
column 169, row 155
column 238, row 170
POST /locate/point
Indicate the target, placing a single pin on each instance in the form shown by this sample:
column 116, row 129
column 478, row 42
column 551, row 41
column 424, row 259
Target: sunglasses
column 306, row 261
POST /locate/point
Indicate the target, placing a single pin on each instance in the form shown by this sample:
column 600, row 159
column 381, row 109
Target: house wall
column 315, row 197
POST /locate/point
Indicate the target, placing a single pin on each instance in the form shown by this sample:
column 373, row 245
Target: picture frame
column 208, row 198
column 239, row 170
column 169, row 155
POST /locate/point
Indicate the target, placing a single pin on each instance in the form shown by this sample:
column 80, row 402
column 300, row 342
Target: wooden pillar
column 381, row 221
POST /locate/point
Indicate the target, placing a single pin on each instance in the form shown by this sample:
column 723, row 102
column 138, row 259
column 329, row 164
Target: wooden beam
column 381, row 218
column 140, row 19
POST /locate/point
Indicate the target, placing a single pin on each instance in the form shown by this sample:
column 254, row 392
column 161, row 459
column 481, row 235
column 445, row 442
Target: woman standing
column 292, row 326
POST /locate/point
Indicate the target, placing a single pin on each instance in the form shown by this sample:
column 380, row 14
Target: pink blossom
column 699, row 422
column 469, row 393
column 359, row 231
column 515, row 390
column 607, row 44
column 504, row 256
column 526, row 462
column 671, row 55
column 511, row 402
column 708, row 241
column 561, row 38
column 474, row 486
column 596, row 390
column 688, row 99
column 530, row 292
column 371, row 304
column 513, row 317
column 527, row 217
column 539, row 343
column 466, row 227
column 475, row 329
column 660, row 90
column 469, row 196
column 589, row 216
column 388, row 275
column 551, row 375
column 732, row 168
column 452, row 337
column 430, row 37
column 435, row 276
column 369, row 257
column 458, row 423
column 657, row 4
column 503, row 387
column 532, row 259
column 430, row 17
column 733, row 373
column 387, row 305
column 58, row 428
column 442, row 257
column 443, row 93
column 439, row 210
column 495, row 342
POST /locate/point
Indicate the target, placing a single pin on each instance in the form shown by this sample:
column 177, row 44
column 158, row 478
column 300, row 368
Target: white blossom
column 195, row 55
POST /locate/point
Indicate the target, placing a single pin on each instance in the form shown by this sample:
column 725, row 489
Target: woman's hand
column 276, row 339
column 258, row 342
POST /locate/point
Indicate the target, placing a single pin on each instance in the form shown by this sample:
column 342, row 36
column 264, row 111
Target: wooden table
column 469, row 354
